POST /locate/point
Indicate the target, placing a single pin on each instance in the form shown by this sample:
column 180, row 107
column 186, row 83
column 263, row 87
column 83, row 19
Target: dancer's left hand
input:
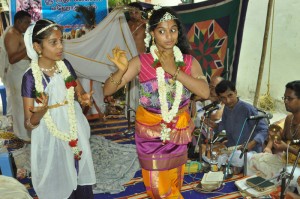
column 42, row 104
column 85, row 99
column 167, row 61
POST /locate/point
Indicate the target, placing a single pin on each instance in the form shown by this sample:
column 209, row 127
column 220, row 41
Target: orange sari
column 164, row 184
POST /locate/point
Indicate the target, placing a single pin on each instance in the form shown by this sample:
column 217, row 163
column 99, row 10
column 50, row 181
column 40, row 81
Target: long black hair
column 154, row 20
column 40, row 24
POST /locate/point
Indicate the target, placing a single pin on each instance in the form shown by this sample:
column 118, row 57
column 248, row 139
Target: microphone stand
column 209, row 143
column 289, row 176
column 129, row 130
column 283, row 182
column 199, row 140
column 245, row 148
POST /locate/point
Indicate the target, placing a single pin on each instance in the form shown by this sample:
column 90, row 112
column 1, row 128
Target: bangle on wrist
column 114, row 81
column 202, row 77
column 28, row 123
column 176, row 74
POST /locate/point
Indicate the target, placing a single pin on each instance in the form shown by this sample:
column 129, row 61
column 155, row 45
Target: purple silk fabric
column 167, row 156
column 146, row 146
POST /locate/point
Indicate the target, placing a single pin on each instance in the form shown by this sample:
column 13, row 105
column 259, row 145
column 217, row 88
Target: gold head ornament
column 167, row 17
column 47, row 27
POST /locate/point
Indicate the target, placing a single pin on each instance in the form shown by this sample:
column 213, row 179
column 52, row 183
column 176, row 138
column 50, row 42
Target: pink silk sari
column 162, row 162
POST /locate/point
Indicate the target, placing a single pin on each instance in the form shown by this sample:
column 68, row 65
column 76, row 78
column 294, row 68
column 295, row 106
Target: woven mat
column 10, row 141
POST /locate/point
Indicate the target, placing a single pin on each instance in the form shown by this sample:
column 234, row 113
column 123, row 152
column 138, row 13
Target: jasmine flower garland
column 177, row 54
column 148, row 36
column 72, row 137
column 167, row 115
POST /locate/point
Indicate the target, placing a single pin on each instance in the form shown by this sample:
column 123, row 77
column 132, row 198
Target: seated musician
column 234, row 115
column 271, row 162
column 197, row 109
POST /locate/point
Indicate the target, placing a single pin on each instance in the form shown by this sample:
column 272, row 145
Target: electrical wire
column 235, row 148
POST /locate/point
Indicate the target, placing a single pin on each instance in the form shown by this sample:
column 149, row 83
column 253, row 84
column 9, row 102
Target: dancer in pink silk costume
column 168, row 76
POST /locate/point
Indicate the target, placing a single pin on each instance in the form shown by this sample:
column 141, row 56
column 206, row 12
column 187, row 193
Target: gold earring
column 153, row 41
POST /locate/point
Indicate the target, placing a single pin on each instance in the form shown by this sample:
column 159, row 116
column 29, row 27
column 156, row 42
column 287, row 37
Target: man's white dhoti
column 14, row 83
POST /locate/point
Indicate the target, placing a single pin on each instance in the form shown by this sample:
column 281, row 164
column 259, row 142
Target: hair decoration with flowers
column 70, row 84
column 148, row 36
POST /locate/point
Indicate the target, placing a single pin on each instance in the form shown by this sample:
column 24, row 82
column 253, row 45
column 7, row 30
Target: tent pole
column 128, row 104
column 263, row 55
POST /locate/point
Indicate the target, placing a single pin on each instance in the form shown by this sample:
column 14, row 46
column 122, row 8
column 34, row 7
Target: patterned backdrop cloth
column 214, row 30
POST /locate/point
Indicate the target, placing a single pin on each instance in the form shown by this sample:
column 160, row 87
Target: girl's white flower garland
column 162, row 91
column 38, row 76
column 176, row 51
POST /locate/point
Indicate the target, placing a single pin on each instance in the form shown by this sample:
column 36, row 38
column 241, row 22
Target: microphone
column 207, row 107
column 217, row 107
column 258, row 117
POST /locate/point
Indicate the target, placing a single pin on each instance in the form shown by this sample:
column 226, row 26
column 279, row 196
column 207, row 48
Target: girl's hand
column 119, row 58
column 43, row 105
column 85, row 99
column 267, row 150
column 167, row 61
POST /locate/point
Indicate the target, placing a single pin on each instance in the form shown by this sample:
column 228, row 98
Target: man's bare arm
column 14, row 50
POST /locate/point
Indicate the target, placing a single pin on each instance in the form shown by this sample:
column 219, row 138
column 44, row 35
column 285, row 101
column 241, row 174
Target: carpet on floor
column 115, row 128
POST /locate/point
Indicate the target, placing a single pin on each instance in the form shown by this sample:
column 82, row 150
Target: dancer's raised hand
column 85, row 99
column 119, row 58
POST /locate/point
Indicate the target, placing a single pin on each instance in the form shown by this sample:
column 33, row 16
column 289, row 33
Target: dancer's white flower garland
column 167, row 115
column 177, row 54
column 71, row 138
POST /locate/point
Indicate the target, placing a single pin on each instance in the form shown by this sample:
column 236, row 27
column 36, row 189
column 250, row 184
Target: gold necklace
column 48, row 69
